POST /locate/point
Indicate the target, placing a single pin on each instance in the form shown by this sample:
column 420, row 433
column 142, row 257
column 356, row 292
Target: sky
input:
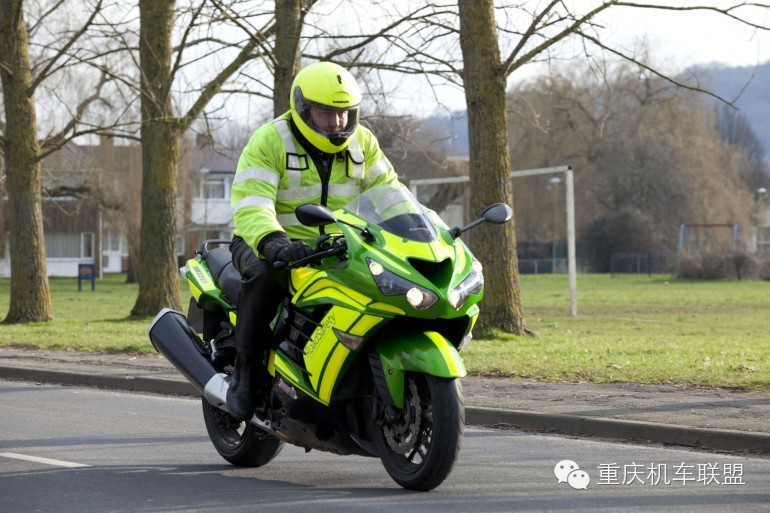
column 677, row 41
column 695, row 37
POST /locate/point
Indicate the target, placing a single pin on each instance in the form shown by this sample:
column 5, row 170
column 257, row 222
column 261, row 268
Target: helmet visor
column 335, row 124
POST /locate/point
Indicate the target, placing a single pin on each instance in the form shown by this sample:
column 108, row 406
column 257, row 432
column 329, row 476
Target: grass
column 637, row 329
column 629, row 329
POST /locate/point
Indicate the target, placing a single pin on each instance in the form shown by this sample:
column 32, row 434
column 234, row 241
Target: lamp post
column 760, row 232
column 554, row 183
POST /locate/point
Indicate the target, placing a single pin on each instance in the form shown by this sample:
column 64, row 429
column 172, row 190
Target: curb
column 628, row 430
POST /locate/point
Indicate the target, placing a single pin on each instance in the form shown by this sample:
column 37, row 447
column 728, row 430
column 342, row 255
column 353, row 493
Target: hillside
column 750, row 85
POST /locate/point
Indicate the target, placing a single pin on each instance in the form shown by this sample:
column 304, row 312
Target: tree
column 160, row 62
column 22, row 78
column 30, row 294
column 649, row 156
column 490, row 164
column 531, row 36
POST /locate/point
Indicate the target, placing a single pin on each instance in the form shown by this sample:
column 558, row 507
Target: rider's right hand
column 279, row 248
column 294, row 251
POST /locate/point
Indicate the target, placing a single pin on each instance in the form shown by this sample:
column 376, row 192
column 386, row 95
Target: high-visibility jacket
column 275, row 175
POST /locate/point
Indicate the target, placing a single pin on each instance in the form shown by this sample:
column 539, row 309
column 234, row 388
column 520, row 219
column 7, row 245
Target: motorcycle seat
column 220, row 264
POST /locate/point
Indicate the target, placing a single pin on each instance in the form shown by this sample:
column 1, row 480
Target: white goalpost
column 569, row 199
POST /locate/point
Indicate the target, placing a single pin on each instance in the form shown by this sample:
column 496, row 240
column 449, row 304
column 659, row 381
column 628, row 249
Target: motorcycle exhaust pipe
column 173, row 337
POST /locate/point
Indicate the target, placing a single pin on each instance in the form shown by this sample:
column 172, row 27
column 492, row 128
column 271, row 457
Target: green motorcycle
column 365, row 356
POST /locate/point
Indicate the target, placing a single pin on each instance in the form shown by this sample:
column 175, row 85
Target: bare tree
column 529, row 36
column 160, row 64
column 30, row 294
column 22, row 79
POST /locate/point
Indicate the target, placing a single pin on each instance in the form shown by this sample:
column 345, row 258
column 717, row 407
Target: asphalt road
column 68, row 449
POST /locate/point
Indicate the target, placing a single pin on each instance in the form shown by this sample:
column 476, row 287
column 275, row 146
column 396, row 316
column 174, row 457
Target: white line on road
column 47, row 461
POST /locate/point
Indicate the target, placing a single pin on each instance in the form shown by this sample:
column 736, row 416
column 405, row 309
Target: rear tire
column 240, row 443
column 420, row 448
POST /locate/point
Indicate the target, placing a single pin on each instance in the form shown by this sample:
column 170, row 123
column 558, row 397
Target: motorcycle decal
column 331, row 372
column 327, row 290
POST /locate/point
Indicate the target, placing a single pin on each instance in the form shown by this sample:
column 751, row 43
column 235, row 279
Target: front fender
column 425, row 352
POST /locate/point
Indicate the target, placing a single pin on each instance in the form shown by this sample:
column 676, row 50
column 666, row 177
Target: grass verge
column 629, row 329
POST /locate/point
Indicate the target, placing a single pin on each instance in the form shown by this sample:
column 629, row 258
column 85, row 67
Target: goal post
column 569, row 199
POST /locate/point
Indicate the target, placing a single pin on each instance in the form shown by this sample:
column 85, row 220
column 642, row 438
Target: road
column 68, row 449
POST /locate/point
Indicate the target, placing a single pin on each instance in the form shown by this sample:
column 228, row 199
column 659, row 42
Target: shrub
column 718, row 266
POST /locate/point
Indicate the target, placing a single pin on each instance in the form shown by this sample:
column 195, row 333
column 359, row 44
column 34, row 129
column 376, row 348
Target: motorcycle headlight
column 472, row 284
column 393, row 285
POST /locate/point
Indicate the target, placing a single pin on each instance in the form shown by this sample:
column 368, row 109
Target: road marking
column 47, row 461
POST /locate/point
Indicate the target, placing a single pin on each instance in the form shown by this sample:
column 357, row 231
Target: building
column 92, row 203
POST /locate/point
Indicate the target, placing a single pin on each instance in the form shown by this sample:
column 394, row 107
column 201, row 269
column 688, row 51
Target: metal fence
column 641, row 262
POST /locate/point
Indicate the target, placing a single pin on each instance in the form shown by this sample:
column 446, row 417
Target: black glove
column 284, row 250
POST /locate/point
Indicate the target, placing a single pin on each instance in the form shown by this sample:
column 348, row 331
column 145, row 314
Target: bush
column 719, row 266
column 623, row 231
column 763, row 268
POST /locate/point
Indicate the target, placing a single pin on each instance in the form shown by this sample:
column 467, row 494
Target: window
column 763, row 234
column 217, row 186
column 69, row 245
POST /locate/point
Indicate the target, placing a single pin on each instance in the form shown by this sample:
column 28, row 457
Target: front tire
column 420, row 447
column 240, row 443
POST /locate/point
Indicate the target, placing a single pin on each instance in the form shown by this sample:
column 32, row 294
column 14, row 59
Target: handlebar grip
column 280, row 265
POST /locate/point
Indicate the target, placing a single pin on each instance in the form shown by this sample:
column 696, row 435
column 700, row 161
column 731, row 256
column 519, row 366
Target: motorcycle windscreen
column 393, row 208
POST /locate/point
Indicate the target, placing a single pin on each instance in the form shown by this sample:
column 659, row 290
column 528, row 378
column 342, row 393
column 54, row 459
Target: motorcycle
column 365, row 356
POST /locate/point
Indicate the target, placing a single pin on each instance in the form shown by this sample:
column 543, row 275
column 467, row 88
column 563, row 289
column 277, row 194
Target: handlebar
column 280, row 265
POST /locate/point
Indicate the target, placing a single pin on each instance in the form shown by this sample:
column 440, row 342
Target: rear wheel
column 240, row 443
column 419, row 447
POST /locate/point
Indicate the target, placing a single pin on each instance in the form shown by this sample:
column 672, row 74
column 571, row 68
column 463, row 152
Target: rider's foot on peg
column 242, row 393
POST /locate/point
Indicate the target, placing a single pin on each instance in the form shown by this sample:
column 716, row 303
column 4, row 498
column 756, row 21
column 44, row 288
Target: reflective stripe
column 255, row 173
column 295, row 179
column 288, row 220
column 308, row 192
column 300, row 193
column 393, row 197
column 347, row 190
column 356, row 158
column 382, row 166
column 254, row 201
column 282, row 125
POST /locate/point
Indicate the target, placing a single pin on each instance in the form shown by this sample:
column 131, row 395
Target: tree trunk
column 289, row 17
column 30, row 293
column 490, row 166
column 158, row 276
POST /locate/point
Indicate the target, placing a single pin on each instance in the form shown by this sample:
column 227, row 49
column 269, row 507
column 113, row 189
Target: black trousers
column 262, row 290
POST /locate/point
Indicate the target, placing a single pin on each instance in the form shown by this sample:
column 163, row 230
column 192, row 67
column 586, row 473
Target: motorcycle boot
column 242, row 392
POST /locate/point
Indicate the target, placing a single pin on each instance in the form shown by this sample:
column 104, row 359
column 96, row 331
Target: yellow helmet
column 329, row 87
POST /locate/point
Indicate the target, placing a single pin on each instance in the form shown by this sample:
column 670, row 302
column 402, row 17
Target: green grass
column 629, row 329
column 84, row 321
column 637, row 329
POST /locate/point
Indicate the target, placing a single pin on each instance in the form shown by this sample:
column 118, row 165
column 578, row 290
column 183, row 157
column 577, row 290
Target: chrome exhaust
column 173, row 337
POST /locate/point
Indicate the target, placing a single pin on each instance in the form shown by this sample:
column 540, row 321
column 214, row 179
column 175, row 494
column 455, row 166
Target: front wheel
column 240, row 443
column 419, row 447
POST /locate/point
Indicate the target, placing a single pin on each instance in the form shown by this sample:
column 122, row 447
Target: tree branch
column 652, row 70
column 80, row 110
column 44, row 73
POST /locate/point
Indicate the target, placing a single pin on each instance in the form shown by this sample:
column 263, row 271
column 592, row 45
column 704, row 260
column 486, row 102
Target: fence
column 641, row 262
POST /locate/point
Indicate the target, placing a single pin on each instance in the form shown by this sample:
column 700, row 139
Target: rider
column 317, row 152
